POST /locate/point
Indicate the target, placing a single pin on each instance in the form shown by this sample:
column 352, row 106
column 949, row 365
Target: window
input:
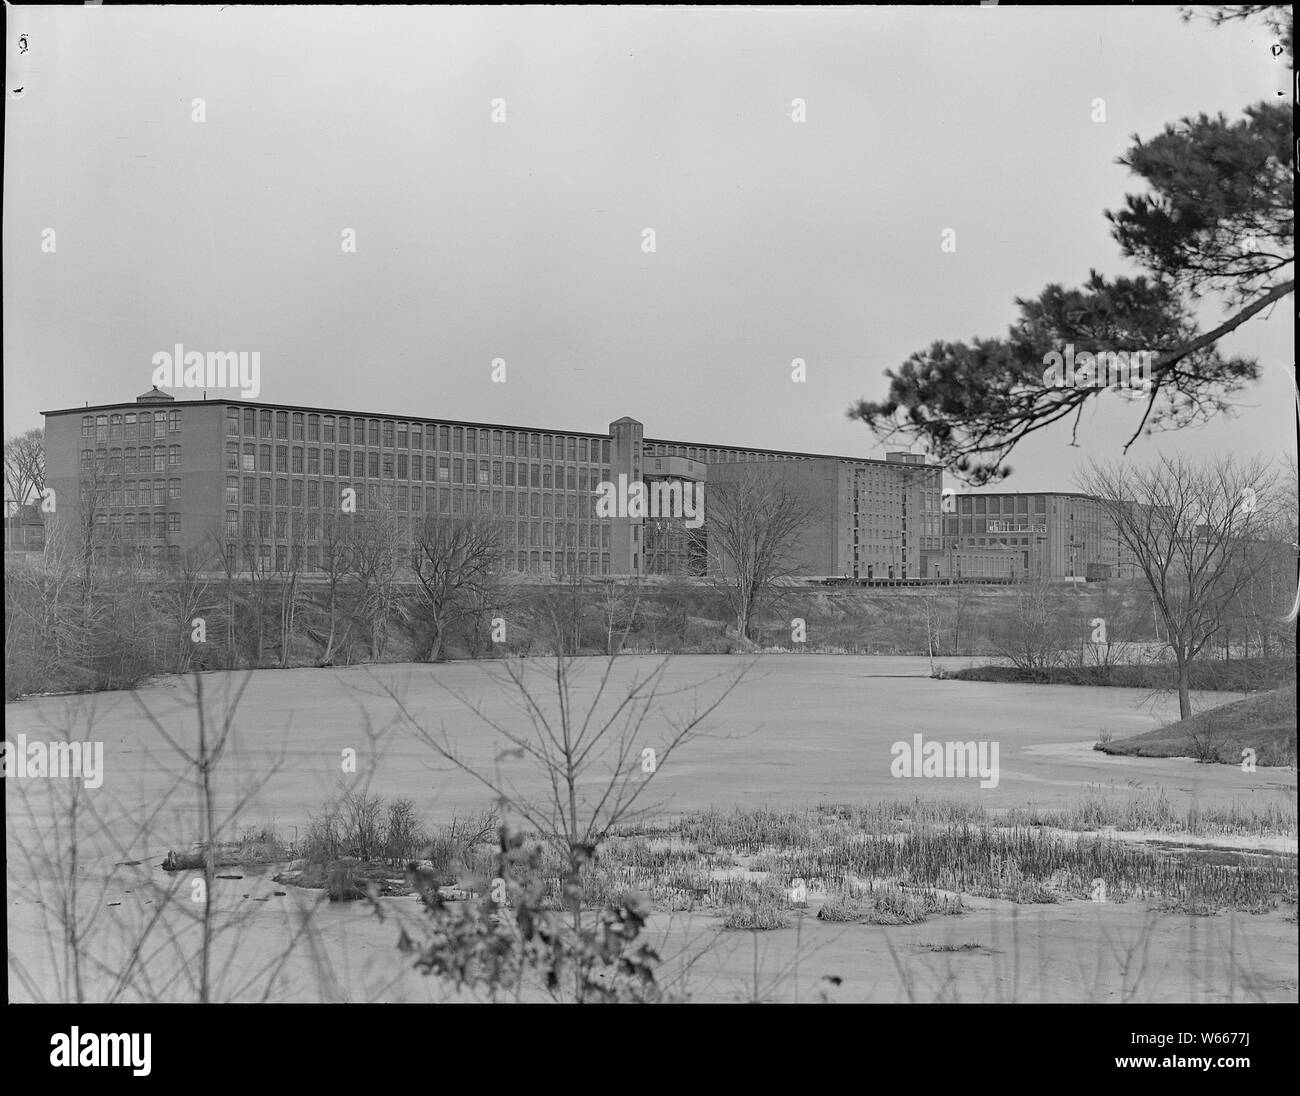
column 345, row 462
column 298, row 426
column 313, row 428
column 313, row 462
column 444, row 468
column 296, row 466
column 87, row 426
column 327, row 428
column 388, row 433
column 345, row 431
column 483, row 477
column 471, row 441
column 402, row 435
column 402, row 466
column 174, row 421
column 173, row 456
column 372, row 431
column 173, row 489
column 444, row 438
column 417, row 436
column 372, row 465
column 101, row 428
column 282, row 425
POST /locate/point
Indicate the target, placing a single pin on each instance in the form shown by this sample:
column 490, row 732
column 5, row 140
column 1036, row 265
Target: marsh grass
column 882, row 863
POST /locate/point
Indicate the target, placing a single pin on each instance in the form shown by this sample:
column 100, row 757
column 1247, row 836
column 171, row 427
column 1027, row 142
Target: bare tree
column 458, row 562
column 24, row 466
column 1195, row 532
column 335, row 562
column 1031, row 631
column 185, row 596
column 559, row 609
column 618, row 610
column 752, row 533
column 596, row 747
column 290, row 576
column 374, row 558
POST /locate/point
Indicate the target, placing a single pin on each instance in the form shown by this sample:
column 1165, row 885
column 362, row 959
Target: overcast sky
column 477, row 240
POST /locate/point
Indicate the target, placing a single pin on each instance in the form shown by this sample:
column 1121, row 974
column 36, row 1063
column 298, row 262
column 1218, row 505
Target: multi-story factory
column 1011, row 535
column 188, row 479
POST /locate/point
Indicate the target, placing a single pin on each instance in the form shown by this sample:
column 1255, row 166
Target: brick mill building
column 194, row 480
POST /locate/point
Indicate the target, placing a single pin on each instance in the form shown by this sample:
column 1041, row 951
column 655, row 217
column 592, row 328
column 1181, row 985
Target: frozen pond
column 798, row 730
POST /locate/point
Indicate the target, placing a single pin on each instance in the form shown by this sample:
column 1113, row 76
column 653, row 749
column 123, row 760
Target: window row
column 251, row 422
column 249, row 457
column 131, row 425
column 118, row 493
column 132, row 526
column 129, row 461
column 1002, row 504
column 315, row 495
column 713, row 455
column 288, row 525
